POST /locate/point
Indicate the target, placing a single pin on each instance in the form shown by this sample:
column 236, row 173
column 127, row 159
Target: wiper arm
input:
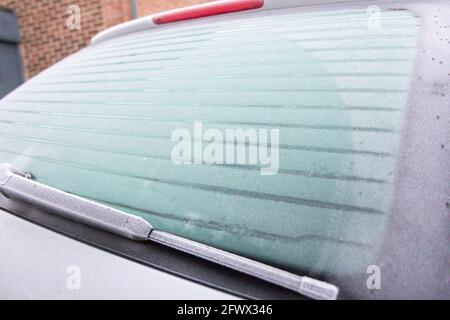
column 20, row 187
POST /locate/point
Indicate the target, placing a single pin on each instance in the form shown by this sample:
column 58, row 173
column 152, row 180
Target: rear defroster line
column 19, row 186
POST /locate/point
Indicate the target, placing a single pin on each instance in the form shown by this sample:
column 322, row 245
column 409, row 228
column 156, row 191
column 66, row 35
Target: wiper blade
column 309, row 287
column 20, row 187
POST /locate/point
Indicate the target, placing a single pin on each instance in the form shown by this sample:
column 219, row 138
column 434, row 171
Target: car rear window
column 334, row 84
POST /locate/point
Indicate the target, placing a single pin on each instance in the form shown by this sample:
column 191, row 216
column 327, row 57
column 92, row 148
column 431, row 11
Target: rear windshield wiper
column 19, row 186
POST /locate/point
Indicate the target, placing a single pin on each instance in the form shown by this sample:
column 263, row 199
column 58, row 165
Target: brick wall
column 116, row 11
column 46, row 38
column 146, row 7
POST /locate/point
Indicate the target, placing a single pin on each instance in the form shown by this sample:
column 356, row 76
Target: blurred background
column 34, row 34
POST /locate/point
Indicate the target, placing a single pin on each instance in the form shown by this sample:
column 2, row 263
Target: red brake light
column 207, row 9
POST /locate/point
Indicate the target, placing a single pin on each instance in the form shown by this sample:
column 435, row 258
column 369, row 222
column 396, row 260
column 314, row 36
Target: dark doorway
column 10, row 61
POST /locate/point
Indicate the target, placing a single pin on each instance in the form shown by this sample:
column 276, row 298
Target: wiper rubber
column 19, row 186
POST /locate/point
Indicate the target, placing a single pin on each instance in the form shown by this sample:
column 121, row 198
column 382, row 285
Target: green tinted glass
column 99, row 125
